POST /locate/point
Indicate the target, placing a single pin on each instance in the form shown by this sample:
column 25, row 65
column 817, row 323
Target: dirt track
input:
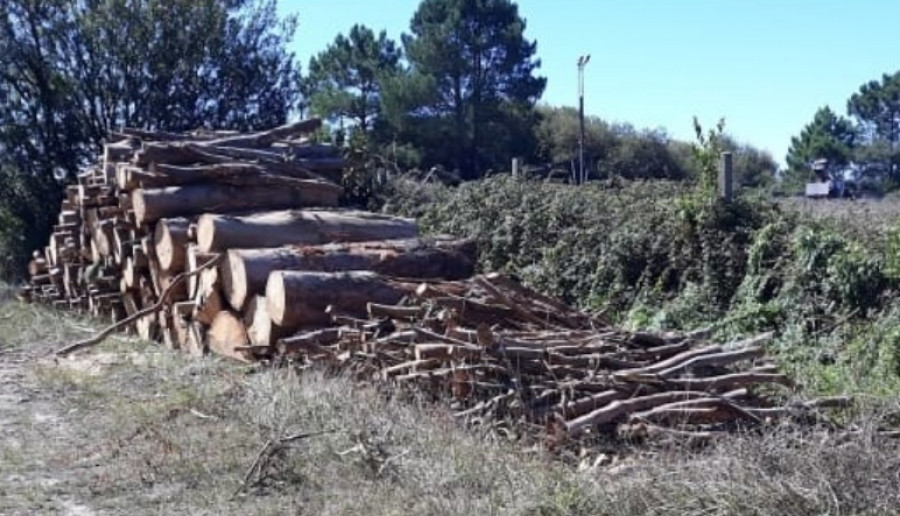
column 35, row 476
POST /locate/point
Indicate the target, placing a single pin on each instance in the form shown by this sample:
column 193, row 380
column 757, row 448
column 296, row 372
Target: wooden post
column 515, row 167
column 726, row 177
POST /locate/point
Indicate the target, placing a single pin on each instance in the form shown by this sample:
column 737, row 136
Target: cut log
column 161, row 281
column 209, row 297
column 226, row 333
column 102, row 236
column 223, row 170
column 147, row 327
column 181, row 320
column 296, row 227
column 196, row 340
column 260, row 328
column 297, row 298
column 37, row 266
column 153, row 204
column 195, row 260
column 132, row 270
column 171, row 242
column 232, row 173
column 245, row 271
column 119, row 151
column 267, row 138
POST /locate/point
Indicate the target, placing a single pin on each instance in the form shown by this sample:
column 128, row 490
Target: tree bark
column 153, row 204
column 268, row 137
column 245, row 271
column 298, row 227
column 297, row 298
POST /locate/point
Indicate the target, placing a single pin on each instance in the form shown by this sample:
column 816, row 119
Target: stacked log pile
column 194, row 224
column 505, row 355
column 233, row 243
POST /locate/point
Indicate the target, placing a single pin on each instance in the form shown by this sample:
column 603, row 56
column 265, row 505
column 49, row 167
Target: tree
column 828, row 136
column 641, row 155
column 557, row 135
column 752, row 167
column 876, row 107
column 74, row 69
column 478, row 74
column 345, row 80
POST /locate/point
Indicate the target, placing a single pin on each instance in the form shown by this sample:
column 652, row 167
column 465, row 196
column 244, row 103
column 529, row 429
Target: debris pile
column 506, row 355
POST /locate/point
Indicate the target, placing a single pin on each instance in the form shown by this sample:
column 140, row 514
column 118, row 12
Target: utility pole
column 582, row 61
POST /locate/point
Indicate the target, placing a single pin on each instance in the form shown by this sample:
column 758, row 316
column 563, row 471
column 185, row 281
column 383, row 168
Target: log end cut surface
column 226, row 335
column 276, row 297
column 234, row 280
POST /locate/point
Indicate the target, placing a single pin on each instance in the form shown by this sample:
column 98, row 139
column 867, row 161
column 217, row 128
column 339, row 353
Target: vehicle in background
column 833, row 182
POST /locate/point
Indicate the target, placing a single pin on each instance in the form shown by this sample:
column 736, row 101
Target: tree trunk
column 153, row 204
column 298, row 227
column 129, row 177
column 297, row 298
column 171, row 241
column 245, row 271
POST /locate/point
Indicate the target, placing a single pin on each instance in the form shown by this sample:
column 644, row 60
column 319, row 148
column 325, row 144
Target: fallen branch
column 109, row 330
column 270, row 448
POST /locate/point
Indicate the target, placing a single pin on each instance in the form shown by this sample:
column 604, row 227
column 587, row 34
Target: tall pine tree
column 828, row 136
column 345, row 80
column 474, row 72
column 876, row 107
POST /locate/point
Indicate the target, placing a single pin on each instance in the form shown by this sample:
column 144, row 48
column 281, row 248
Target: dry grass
column 128, row 428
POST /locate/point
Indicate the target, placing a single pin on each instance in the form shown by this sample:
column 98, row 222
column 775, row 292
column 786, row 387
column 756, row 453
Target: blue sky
column 764, row 65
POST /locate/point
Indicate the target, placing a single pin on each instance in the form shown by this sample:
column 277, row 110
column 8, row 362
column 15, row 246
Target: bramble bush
column 656, row 255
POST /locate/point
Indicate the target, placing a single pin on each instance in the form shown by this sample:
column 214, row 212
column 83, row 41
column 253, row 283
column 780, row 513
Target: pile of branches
column 506, row 356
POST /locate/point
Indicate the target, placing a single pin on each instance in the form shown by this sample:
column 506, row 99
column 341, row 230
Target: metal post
column 583, row 60
column 726, row 177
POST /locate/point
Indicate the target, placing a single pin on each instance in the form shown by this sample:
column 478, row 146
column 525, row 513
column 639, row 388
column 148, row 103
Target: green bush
column 660, row 255
column 603, row 245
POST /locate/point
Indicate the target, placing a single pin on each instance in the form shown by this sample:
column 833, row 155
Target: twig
column 271, row 447
column 109, row 330
column 201, row 415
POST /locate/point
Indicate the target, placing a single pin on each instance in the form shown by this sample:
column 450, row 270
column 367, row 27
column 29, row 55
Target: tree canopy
column 345, row 80
column 74, row 69
column 474, row 70
column 828, row 136
column 876, row 107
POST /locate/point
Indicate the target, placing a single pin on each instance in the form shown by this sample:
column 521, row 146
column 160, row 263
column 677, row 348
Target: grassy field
column 130, row 428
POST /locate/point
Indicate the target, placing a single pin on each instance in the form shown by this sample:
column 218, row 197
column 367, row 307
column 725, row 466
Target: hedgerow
column 650, row 255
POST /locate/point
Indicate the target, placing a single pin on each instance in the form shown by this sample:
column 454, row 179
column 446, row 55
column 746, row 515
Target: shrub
column 659, row 255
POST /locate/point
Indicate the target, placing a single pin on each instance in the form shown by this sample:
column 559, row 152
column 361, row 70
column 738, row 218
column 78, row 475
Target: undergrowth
column 665, row 255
